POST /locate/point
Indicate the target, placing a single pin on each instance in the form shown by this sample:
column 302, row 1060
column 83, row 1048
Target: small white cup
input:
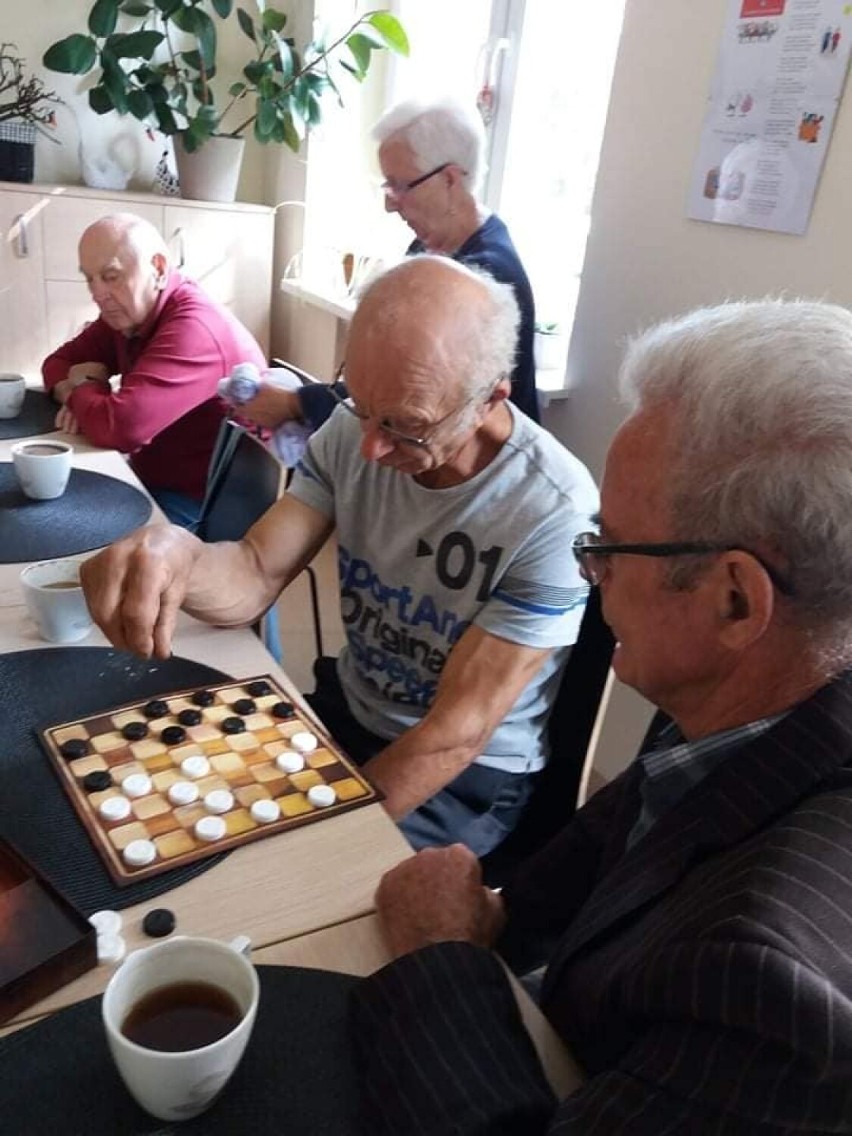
column 178, row 1086
column 55, row 600
column 42, row 468
column 12, row 391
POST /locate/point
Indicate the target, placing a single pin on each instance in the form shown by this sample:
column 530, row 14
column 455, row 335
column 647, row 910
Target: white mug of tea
column 13, row 389
column 42, row 468
column 55, row 600
column 177, row 1017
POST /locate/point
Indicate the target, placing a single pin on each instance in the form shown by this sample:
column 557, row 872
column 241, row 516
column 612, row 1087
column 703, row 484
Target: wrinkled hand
column 80, row 373
column 66, row 422
column 437, row 896
column 135, row 587
column 272, row 407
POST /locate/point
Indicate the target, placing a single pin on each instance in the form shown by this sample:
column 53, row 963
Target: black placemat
column 93, row 511
column 42, row 688
column 37, row 417
column 297, row 1077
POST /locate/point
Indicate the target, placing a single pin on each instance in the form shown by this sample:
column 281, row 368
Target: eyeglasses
column 592, row 553
column 398, row 437
column 400, row 188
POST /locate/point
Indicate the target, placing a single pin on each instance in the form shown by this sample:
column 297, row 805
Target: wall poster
column 778, row 81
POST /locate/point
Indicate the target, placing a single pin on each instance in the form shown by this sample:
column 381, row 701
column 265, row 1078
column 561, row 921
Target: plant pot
column 211, row 172
column 550, row 350
column 17, row 151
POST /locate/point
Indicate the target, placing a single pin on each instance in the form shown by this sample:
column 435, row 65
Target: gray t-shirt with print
column 418, row 566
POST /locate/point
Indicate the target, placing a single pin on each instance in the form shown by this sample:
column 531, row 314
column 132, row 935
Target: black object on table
column 93, row 511
column 297, row 1076
column 36, row 417
column 46, row 687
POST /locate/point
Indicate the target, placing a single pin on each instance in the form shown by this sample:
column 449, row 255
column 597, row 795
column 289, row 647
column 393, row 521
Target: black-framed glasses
column 398, row 437
column 592, row 552
column 400, row 188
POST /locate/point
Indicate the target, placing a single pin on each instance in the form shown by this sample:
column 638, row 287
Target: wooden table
column 304, row 899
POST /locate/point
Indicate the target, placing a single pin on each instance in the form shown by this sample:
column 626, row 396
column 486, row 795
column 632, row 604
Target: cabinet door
column 23, row 344
column 64, row 220
column 229, row 253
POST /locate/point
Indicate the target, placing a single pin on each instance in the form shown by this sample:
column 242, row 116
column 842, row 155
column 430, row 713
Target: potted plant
column 26, row 107
column 161, row 67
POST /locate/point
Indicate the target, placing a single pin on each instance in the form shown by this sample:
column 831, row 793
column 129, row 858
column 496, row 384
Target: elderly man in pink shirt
column 170, row 344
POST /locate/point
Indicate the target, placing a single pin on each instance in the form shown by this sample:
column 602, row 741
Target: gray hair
column 490, row 338
column 439, row 132
column 761, row 394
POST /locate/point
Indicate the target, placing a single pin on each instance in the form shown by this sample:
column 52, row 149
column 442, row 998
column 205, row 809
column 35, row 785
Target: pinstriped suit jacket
column 703, row 978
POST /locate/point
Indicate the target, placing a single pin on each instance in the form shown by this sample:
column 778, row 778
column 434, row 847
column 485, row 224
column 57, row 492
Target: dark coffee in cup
column 184, row 1015
column 63, row 584
column 43, row 449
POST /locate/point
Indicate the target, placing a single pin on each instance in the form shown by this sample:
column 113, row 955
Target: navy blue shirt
column 490, row 248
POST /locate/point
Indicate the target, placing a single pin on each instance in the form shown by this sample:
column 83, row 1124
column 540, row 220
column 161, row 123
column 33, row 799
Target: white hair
column 490, row 337
column 761, row 394
column 443, row 131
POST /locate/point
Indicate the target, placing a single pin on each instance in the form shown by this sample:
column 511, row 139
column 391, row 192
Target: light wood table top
column 271, row 890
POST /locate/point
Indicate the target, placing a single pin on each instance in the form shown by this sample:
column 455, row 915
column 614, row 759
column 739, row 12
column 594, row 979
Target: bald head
column 126, row 265
column 460, row 324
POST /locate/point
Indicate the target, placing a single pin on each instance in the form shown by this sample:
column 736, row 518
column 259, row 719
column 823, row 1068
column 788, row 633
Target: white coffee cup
column 42, row 467
column 55, row 600
column 13, row 388
column 180, row 1085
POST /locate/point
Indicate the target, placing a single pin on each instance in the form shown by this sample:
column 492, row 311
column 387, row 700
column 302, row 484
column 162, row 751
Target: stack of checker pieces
column 240, row 734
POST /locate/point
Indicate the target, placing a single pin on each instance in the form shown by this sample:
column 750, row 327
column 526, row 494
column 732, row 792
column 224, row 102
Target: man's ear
column 161, row 270
column 745, row 600
column 501, row 392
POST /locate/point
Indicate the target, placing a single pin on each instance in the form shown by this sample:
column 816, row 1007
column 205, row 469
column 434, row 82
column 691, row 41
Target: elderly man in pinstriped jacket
column 696, row 914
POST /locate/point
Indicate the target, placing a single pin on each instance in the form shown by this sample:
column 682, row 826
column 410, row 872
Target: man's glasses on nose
column 592, row 554
column 398, row 437
column 400, row 188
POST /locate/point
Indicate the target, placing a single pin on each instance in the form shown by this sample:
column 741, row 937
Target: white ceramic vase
column 211, row 172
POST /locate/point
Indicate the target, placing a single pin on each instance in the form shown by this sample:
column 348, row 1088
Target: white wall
column 645, row 260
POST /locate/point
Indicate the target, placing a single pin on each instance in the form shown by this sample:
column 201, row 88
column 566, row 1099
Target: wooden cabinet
column 43, row 299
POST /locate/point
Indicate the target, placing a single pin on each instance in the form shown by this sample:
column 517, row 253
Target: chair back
column 243, row 481
column 580, row 700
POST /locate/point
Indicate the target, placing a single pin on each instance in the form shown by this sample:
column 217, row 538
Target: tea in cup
column 55, row 600
column 13, row 389
column 178, row 1016
column 42, row 468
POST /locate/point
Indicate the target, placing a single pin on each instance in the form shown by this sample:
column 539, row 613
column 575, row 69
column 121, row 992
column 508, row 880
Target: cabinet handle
column 181, row 240
column 22, row 244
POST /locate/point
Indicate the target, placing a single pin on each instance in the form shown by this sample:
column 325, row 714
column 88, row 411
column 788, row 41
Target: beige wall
column 645, row 260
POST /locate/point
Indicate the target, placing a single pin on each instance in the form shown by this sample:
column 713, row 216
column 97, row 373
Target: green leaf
column 103, row 17
column 115, row 81
column 167, row 7
column 236, row 89
column 74, row 55
column 284, row 60
column 361, row 47
column 192, row 59
column 100, row 101
column 135, row 45
column 139, row 104
column 391, row 31
column 314, row 109
column 255, row 70
column 133, row 8
column 266, row 118
column 206, row 31
column 223, row 8
column 273, row 21
column 246, row 23
column 166, row 121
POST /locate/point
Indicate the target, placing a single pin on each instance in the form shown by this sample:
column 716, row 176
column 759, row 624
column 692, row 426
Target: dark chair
column 243, row 481
column 570, row 729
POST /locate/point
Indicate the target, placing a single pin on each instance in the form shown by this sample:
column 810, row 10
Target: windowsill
column 549, row 383
column 341, row 307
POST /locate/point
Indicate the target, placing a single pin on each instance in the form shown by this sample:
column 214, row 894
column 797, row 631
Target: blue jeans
column 179, row 508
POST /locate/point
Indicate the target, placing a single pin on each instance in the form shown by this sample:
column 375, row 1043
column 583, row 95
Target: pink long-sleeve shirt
column 166, row 412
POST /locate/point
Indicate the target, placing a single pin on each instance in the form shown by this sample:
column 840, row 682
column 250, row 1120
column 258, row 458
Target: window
column 546, row 69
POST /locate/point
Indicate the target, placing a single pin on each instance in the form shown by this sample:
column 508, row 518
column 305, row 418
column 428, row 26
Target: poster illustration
column 779, row 77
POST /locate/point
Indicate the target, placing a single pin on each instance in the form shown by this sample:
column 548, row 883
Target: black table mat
column 42, row 688
column 37, row 417
column 93, row 511
column 297, row 1077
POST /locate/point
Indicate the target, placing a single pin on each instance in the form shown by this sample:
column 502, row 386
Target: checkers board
column 161, row 783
